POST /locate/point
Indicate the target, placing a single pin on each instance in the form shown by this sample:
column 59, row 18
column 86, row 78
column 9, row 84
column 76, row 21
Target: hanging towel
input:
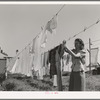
column 14, row 67
column 10, row 63
column 18, row 68
column 42, row 63
column 37, row 55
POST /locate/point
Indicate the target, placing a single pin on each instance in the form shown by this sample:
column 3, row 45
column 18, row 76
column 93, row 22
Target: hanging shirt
column 53, row 58
column 42, row 59
column 23, row 65
column 28, row 58
column 66, row 62
column 37, row 54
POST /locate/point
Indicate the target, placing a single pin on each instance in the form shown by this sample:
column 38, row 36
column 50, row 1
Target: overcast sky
column 19, row 24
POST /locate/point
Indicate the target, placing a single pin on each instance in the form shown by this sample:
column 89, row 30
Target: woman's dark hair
column 81, row 42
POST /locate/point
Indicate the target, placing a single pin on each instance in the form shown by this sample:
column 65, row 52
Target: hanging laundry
column 37, row 55
column 52, row 62
column 24, row 61
column 52, row 24
column 46, row 59
column 29, row 68
column 32, row 54
column 28, row 59
column 58, row 67
column 14, row 67
column 19, row 65
column 23, row 66
column 58, row 56
column 40, row 74
column 33, row 45
column 43, row 63
column 44, row 39
column 66, row 62
column 10, row 63
column 42, row 58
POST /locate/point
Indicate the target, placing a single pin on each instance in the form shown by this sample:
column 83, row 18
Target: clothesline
column 60, row 9
column 26, row 46
column 85, row 44
column 81, row 32
column 40, row 31
column 34, row 38
column 84, row 30
column 78, row 33
column 70, row 37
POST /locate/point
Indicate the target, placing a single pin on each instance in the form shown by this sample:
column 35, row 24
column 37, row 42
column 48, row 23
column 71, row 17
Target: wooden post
column 59, row 75
column 90, row 55
column 6, row 74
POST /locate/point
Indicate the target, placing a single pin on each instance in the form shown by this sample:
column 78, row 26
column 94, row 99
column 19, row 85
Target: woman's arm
column 72, row 53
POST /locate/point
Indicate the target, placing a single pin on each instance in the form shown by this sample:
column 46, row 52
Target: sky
column 20, row 23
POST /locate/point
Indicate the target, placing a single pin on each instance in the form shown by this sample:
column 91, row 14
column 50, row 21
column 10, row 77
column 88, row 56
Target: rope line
column 86, row 28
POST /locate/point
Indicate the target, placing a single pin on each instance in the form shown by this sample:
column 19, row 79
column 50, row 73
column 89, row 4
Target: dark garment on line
column 53, row 59
column 46, row 60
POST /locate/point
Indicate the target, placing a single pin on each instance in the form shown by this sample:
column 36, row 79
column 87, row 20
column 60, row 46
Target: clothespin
column 97, row 21
column 85, row 29
column 64, row 41
column 74, row 35
column 41, row 27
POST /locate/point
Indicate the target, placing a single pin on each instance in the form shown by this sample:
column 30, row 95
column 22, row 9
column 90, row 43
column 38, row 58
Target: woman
column 77, row 76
